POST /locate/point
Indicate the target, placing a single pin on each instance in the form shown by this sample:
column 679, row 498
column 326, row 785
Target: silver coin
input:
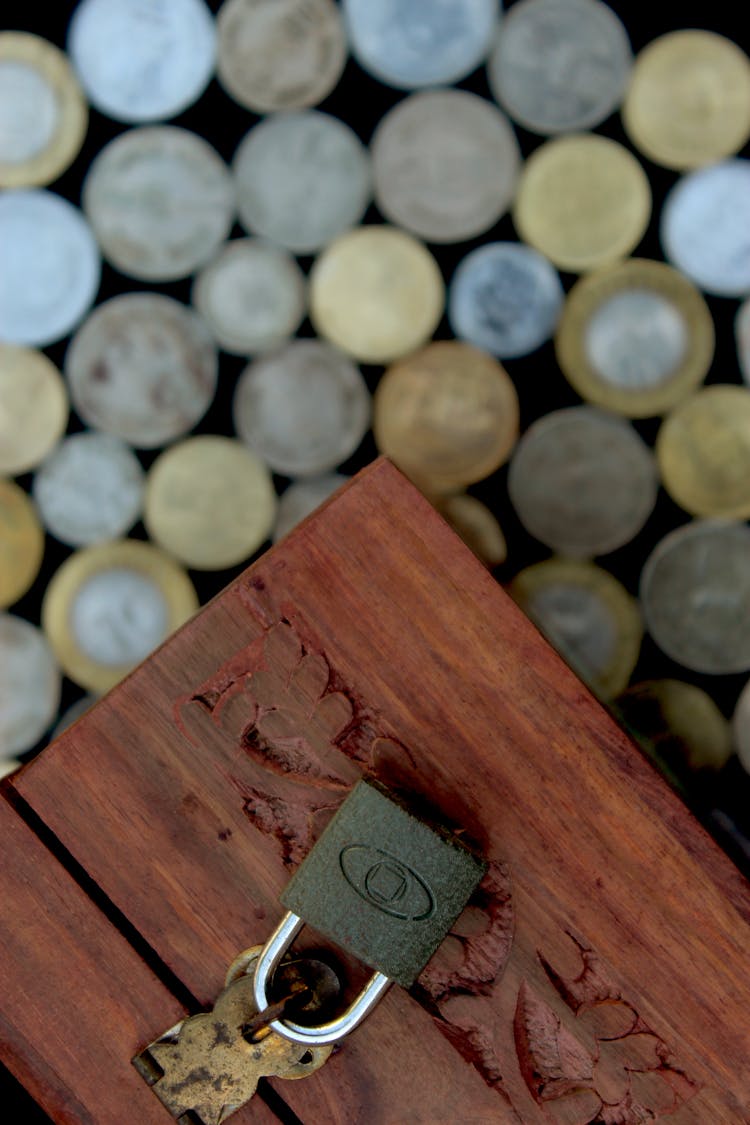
column 695, row 592
column 75, row 712
column 49, row 267
column 582, row 481
column 301, row 499
column 705, row 227
column 560, row 65
column 252, row 296
column 636, row 339
column 741, row 727
column 118, row 617
column 142, row 60
column 303, row 409
column 742, row 336
column 161, row 202
column 142, row 367
column 579, row 624
column 445, row 164
column 422, row 42
column 302, row 178
column 30, row 683
column 89, row 489
column 506, row 298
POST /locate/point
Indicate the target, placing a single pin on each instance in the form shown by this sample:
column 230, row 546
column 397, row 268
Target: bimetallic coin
column 741, row 727
column 30, row 685
column 445, row 165
column 475, row 524
column 21, row 543
column 75, row 712
column 376, row 293
column 742, row 336
column 33, row 408
column 560, row 65
column 301, row 499
column 583, row 201
column 582, row 481
column 161, row 202
column 678, row 722
column 143, row 367
column 635, row 337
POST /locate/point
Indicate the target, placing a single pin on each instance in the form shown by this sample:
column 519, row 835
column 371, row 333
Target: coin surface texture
column 476, row 525
column 142, row 367
column 30, row 685
column 679, row 721
column 742, row 337
column 33, row 408
column 21, row 543
column 302, row 498
column 741, row 727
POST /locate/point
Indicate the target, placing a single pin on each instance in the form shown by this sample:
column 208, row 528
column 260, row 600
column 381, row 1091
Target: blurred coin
column 583, row 200
column 49, row 267
column 447, row 416
column 142, row 60
column 43, row 113
column 302, row 178
column 209, row 502
column 21, row 543
column 280, row 54
column 705, row 227
column 33, row 408
column 587, row 616
column 108, row 606
column 688, row 102
column 695, row 592
column 635, row 337
column 142, row 367
column 445, row 164
column 30, row 685
column 89, row 489
column 582, row 481
column 741, row 727
column 560, row 65
column 506, row 298
column 475, row 524
column 160, row 200
column 251, row 295
column 376, row 293
column 679, row 721
column 75, row 712
column 8, row 766
column 301, row 499
column 742, row 336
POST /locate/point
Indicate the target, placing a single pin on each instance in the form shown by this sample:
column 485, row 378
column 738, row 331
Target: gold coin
column 583, row 200
column 21, row 543
column 679, row 724
column 703, row 451
column 447, row 416
column 689, row 99
column 635, row 337
column 376, row 293
column 33, row 408
column 43, row 113
column 210, row 502
column 476, row 525
column 108, row 606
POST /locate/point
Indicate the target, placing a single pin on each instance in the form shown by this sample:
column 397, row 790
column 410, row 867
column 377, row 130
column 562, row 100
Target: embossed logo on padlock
column 386, row 883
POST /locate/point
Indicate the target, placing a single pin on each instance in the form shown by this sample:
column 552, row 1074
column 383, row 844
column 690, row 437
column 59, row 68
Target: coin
column 583, row 201
column 280, row 54
column 302, row 178
column 43, row 113
column 741, row 727
column 635, row 337
column 143, row 367
column 376, row 293
column 21, row 543
column 476, row 525
column 49, row 267
column 30, row 685
column 445, row 165
column 108, row 606
column 251, row 295
column 90, row 489
column 209, row 502
column 75, row 712
column 587, row 615
column 160, row 200
column 33, row 408
column 695, row 592
column 447, row 416
column 142, row 61
column 679, row 722
column 506, row 298
column 582, row 481
column 560, row 65
column 688, row 102
column 303, row 497
column 8, row 766
column 742, row 336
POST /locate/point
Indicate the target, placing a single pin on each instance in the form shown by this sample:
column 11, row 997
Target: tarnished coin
column 447, row 416
column 742, row 337
column 506, row 298
column 303, row 409
column 252, row 296
column 108, row 606
column 33, row 408
column 475, row 524
column 142, row 60
column 30, row 685
column 301, row 499
column 688, row 102
column 445, row 165
column 635, row 337
column 21, row 543
column 583, row 201
column 49, row 267
column 560, row 65
column 280, row 54
column 43, row 113
column 741, row 727
column 209, row 502
column 588, row 616
column 161, row 202
column 75, row 712
column 142, row 367
column 695, row 592
column 376, row 293
column 679, row 722
column 302, row 178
